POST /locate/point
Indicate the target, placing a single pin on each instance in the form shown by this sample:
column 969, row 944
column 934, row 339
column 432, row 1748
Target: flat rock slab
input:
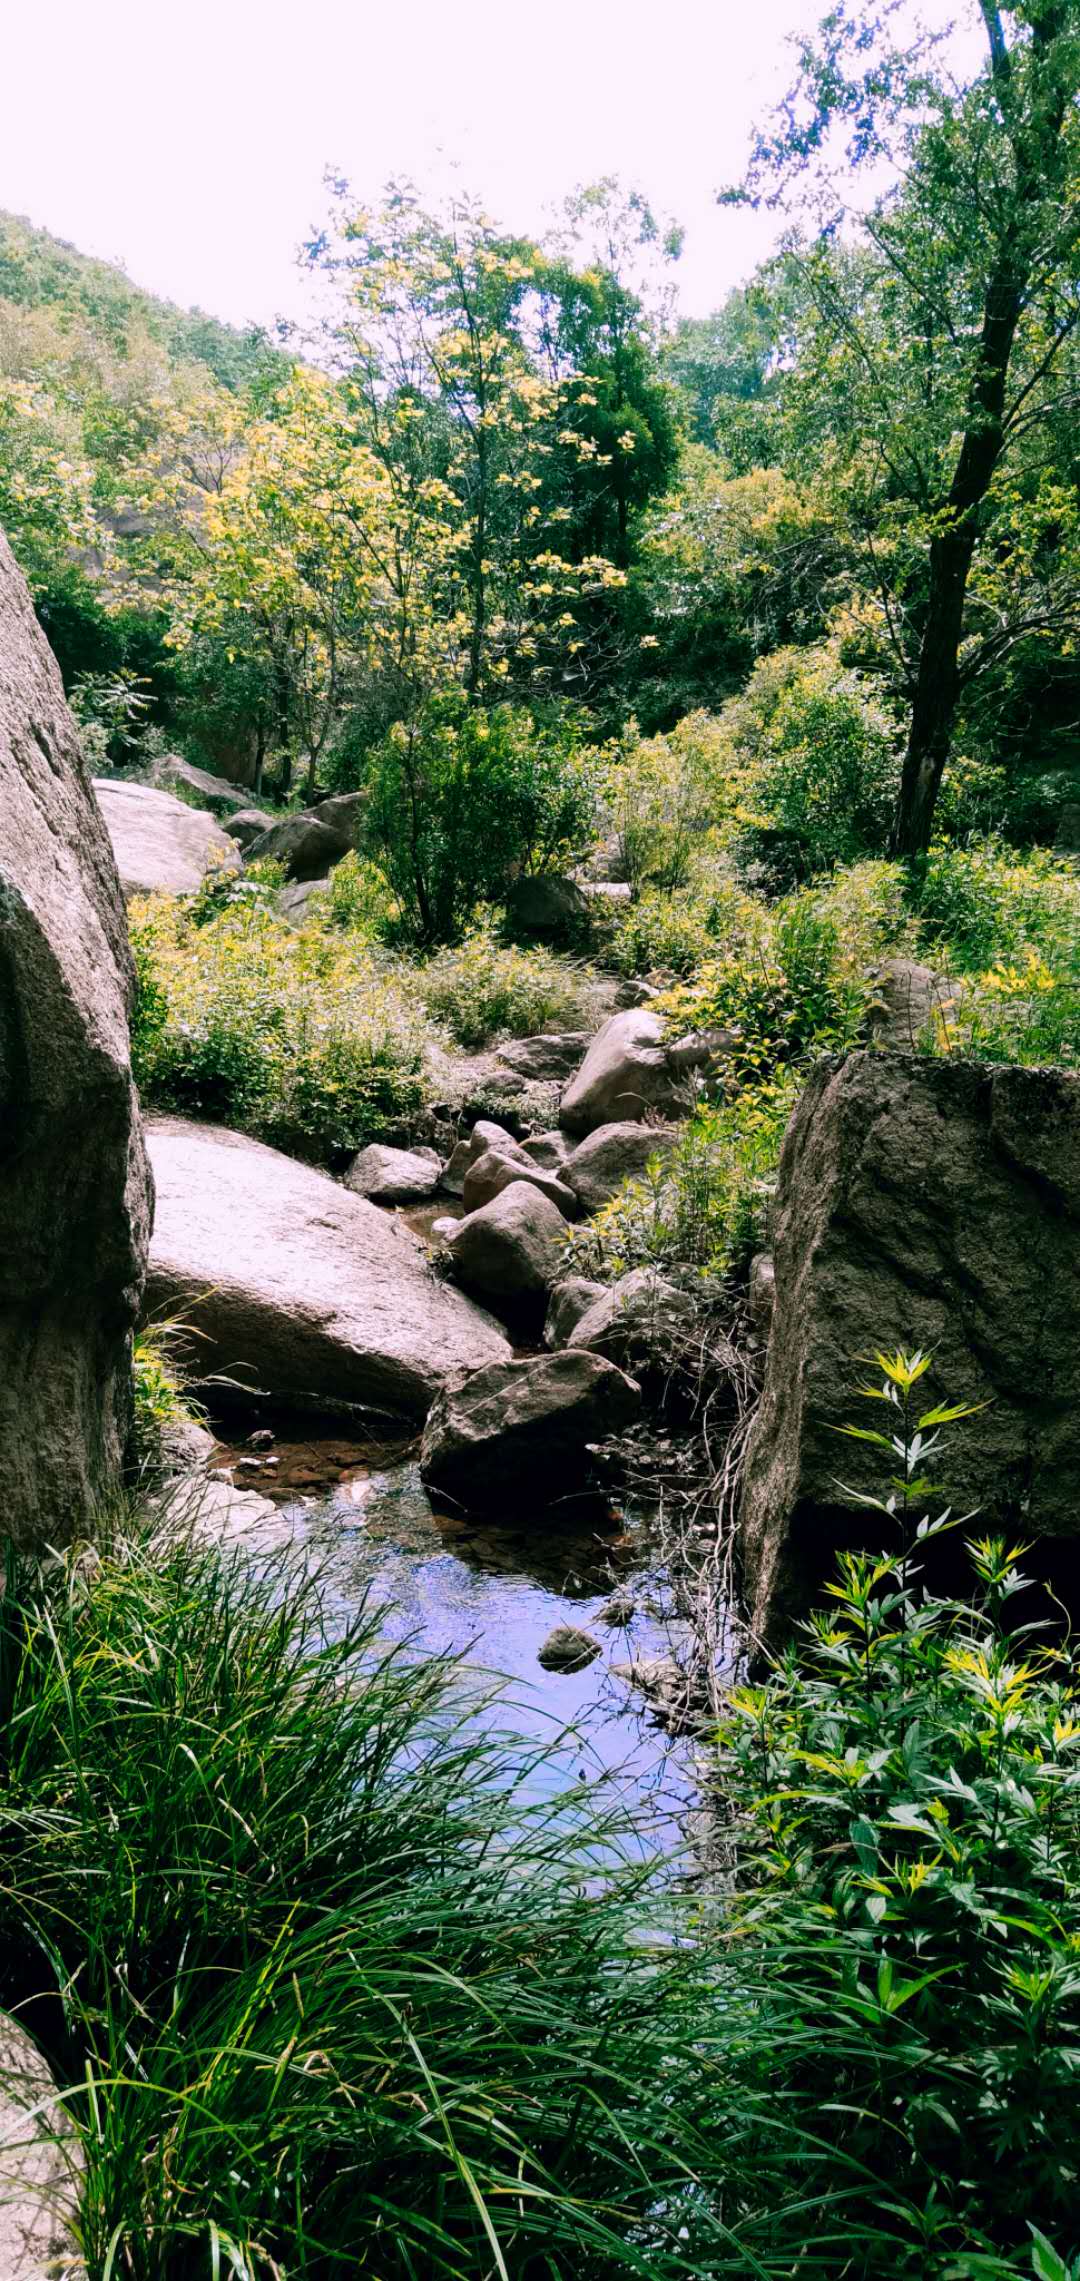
column 161, row 846
column 39, row 2168
column 297, row 1287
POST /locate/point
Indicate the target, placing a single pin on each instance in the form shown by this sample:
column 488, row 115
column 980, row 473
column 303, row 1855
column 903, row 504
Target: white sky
column 187, row 139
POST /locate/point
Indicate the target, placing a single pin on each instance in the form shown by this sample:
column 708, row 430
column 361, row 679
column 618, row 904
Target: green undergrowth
column 327, row 1994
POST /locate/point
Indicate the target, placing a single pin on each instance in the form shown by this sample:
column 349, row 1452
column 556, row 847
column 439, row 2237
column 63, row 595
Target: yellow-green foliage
column 158, row 1392
column 359, row 896
column 785, row 986
column 1009, row 926
column 662, row 794
column 703, row 1206
column 484, row 989
column 301, row 1036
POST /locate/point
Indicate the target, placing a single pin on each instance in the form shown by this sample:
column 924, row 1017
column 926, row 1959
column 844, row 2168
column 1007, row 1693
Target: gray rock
column 187, row 1447
column 343, row 813
column 549, row 1150
column 905, row 997
column 639, row 1320
column 762, row 1293
column 441, row 1230
column 297, row 902
column 556, row 909
column 553, row 1057
column 40, row 2167
column 484, row 1136
column 524, row 1428
column 489, row 1174
column 511, row 1248
column 569, row 1301
column 452, row 1179
column 921, row 1204
column 247, row 825
column 619, row 1611
column 394, row 1175
column 306, row 847
column 215, row 792
column 610, row 1155
column 568, row 1648
column 701, row 1051
column 75, row 1193
column 161, row 846
column 664, row 1686
column 295, row 1286
column 607, row 893
column 625, row 1075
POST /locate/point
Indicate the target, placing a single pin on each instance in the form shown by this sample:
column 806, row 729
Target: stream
column 490, row 1593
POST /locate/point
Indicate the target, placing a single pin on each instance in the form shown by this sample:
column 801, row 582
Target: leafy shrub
column 703, row 1207
column 662, row 933
column 465, row 799
column 789, row 989
column 662, row 793
column 906, row 1792
column 359, row 897
column 158, row 1392
column 326, row 1990
column 297, row 1035
column 484, row 989
column 817, row 767
column 980, row 904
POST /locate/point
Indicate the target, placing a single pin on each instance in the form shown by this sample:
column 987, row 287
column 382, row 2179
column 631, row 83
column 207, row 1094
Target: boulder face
column 625, row 1074
column 74, row 1187
column 931, row 1204
column 511, row 1248
column 636, row 1321
column 524, row 1428
column 549, row 906
column 162, row 847
column 489, row 1174
column 394, row 1175
column 610, row 1155
column 309, row 842
column 297, row 1287
column 213, row 792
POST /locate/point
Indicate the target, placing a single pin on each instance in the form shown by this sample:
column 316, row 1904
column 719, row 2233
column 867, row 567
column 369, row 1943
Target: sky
column 187, row 139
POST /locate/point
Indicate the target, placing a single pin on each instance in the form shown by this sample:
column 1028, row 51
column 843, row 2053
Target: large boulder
column 524, row 1428
column 495, row 1170
column 161, row 846
column 394, row 1175
column 637, row 1322
column 297, row 1287
column 921, row 1204
column 312, row 840
column 246, row 825
column 625, row 1075
column 550, row 907
column 511, row 1248
column 74, row 1187
column 610, row 1155
column 223, row 799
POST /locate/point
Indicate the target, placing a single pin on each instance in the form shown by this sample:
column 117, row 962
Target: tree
column 933, row 341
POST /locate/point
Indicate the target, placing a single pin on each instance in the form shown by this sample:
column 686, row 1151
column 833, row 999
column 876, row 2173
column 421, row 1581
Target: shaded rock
column 187, row 1447
column 75, row 1192
column 665, row 1688
column 489, row 1174
column 452, row 1177
column 701, row 1051
column 215, row 792
column 306, row 847
column 511, row 1248
column 625, row 1074
column 1067, row 832
column 524, row 1428
column 762, row 1293
column 638, row 1320
column 905, row 995
column 394, row 1175
column 931, row 1204
column 549, row 1150
column 549, row 1057
column 569, row 1301
column 608, row 894
column 297, row 1287
column 247, row 825
column 40, row 2166
column 554, row 908
column 610, row 1155
column 567, row 1648
column 619, row 1611
column 295, row 901
column 161, row 846
column 343, row 814
column 485, row 1135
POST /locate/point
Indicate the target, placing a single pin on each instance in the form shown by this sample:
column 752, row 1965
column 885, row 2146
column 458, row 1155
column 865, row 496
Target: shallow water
column 490, row 1593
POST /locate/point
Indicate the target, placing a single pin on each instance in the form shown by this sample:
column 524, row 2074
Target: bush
column 662, row 794
column 466, row 799
column 485, row 989
column 980, row 904
column 359, row 897
column 298, row 1036
column 786, row 990
column 906, row 1794
column 817, row 766
column 704, row 1207
column 327, row 1992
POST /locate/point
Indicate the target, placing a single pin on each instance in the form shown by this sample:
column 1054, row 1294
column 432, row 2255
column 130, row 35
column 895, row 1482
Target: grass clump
column 301, row 1036
column 906, row 1794
column 328, row 1995
column 484, row 989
